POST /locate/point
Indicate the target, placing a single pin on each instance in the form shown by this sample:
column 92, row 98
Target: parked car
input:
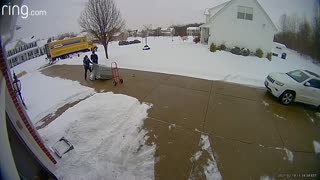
column 295, row 86
column 136, row 41
column 121, row 43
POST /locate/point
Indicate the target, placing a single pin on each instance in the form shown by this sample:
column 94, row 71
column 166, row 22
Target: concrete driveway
column 251, row 134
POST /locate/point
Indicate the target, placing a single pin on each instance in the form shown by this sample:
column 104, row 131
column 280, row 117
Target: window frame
column 243, row 13
column 313, row 85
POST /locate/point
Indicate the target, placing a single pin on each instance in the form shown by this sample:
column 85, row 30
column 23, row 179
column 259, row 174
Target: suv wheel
column 287, row 97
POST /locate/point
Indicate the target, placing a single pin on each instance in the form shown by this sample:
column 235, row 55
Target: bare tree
column 102, row 20
column 282, row 23
column 66, row 35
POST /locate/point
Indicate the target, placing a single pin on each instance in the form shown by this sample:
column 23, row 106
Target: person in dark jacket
column 94, row 57
column 86, row 65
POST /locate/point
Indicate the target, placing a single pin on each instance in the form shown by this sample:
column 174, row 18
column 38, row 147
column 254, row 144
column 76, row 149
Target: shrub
column 196, row 39
column 213, row 47
column 222, row 47
column 259, row 53
column 269, row 56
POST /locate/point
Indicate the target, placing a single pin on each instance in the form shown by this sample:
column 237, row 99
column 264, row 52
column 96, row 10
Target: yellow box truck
column 62, row 48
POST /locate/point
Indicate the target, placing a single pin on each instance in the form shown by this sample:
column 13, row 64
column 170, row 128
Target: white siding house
column 24, row 49
column 167, row 31
column 242, row 23
column 193, row 31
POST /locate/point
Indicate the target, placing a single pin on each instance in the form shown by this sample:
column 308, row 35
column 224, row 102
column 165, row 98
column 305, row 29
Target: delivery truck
column 63, row 48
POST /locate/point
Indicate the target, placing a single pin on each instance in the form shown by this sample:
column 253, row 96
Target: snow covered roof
column 279, row 44
column 193, row 28
column 117, row 34
column 214, row 10
column 42, row 42
column 11, row 45
column 82, row 34
column 205, row 25
column 29, row 39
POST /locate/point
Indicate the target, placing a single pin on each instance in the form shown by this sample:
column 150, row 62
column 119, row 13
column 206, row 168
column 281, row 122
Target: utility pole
column 147, row 28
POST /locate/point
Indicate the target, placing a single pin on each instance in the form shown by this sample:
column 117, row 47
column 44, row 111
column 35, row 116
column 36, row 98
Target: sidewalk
column 250, row 133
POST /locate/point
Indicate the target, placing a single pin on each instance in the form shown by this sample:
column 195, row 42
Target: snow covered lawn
column 44, row 95
column 105, row 128
column 109, row 142
column 195, row 60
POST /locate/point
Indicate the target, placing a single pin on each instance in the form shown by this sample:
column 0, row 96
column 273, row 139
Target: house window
column 245, row 13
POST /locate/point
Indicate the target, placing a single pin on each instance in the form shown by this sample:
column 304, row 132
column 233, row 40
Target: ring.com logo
column 21, row 10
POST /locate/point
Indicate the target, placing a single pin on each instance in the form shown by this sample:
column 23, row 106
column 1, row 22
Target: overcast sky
column 62, row 15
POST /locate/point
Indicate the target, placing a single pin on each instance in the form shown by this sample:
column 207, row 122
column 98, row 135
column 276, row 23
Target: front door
column 204, row 35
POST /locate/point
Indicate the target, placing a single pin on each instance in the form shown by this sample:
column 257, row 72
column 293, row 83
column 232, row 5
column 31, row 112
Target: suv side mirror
column 307, row 84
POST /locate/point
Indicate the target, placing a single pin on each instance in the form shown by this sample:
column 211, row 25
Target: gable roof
column 266, row 14
column 28, row 40
column 18, row 42
column 220, row 8
column 42, row 42
column 212, row 11
column 11, row 45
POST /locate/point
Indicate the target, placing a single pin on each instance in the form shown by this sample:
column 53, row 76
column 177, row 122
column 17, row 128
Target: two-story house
column 24, row 49
column 242, row 23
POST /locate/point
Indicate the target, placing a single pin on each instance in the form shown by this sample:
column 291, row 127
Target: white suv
column 298, row 85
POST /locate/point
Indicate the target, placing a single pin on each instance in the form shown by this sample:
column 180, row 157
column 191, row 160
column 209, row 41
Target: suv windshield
column 298, row 75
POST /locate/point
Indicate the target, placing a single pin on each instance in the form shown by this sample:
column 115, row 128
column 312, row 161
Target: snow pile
column 210, row 169
column 265, row 103
column 289, row 155
column 44, row 95
column 316, row 145
column 109, row 142
column 172, row 126
column 309, row 116
column 266, row 178
column 278, row 116
column 196, row 156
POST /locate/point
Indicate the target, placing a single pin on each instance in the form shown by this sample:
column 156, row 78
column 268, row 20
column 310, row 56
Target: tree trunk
column 106, row 49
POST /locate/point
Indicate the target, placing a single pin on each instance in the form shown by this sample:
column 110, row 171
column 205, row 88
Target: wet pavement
column 249, row 131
